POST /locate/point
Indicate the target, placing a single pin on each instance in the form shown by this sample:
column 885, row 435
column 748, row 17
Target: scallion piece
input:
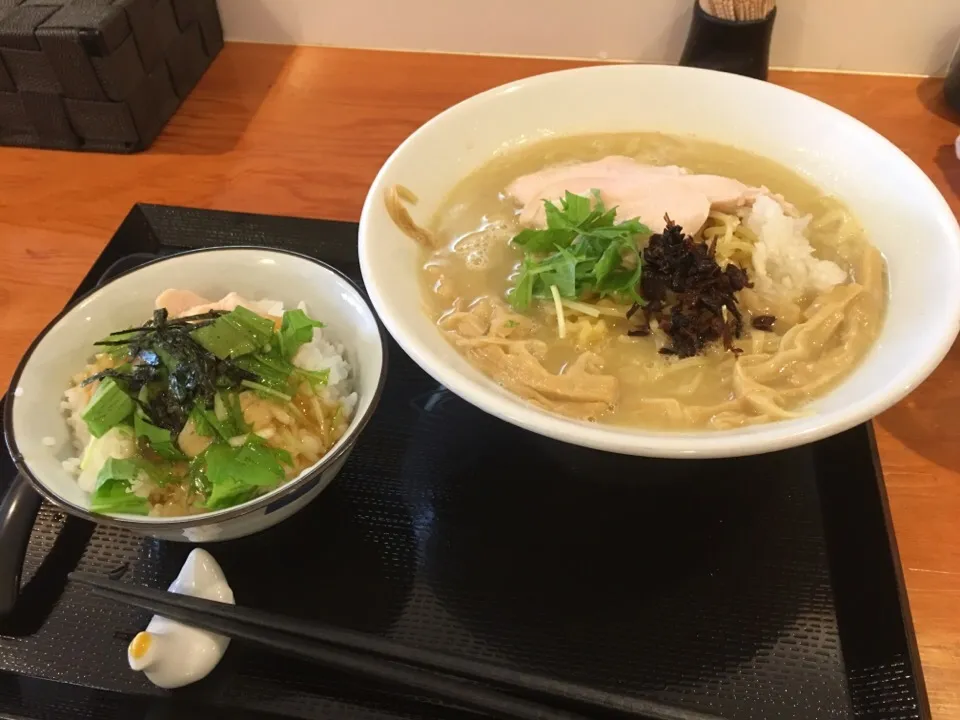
column 296, row 331
column 114, row 492
column 239, row 332
column 108, row 407
column 263, row 389
column 237, row 474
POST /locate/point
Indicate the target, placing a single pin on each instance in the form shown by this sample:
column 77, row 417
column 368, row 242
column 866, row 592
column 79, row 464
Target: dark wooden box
column 100, row 75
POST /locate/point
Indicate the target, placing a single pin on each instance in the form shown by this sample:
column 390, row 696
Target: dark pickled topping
column 763, row 322
column 686, row 292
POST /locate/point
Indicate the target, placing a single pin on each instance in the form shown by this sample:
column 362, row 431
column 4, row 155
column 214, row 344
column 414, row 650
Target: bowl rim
column 217, row 516
column 691, row 444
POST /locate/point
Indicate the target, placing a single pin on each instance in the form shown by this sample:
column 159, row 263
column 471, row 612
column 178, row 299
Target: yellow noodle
column 394, row 199
column 763, row 400
column 691, row 387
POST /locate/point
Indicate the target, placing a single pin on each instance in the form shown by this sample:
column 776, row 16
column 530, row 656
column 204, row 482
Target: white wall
column 893, row 36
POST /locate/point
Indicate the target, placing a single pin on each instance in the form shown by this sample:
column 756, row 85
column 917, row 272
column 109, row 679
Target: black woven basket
column 101, row 75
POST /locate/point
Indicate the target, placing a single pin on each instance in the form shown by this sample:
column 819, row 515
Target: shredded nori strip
column 763, row 322
column 686, row 292
column 180, row 372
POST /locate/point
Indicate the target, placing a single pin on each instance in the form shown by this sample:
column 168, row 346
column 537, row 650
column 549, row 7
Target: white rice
column 324, row 354
column 783, row 260
column 73, row 403
column 72, row 465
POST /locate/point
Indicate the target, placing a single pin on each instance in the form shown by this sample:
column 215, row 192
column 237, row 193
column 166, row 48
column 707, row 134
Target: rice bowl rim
column 346, row 443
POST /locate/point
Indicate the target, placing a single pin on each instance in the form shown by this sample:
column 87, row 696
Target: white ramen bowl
column 38, row 435
column 902, row 211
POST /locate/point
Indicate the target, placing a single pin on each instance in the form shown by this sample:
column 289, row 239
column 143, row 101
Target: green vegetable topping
column 237, row 333
column 273, row 372
column 224, row 421
column 278, row 374
column 265, row 391
column 159, row 439
column 201, row 422
column 296, row 331
column 583, row 251
column 237, row 474
column 113, row 492
column 238, row 423
column 314, row 377
column 108, row 407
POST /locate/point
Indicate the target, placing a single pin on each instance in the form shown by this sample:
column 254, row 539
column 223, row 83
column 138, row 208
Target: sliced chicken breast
column 614, row 167
column 184, row 303
column 647, row 192
column 177, row 302
column 648, row 197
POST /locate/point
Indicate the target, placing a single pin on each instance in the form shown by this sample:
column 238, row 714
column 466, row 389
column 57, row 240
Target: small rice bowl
column 306, row 428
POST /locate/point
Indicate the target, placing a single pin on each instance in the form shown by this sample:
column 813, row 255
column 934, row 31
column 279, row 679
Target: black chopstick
column 295, row 635
column 462, row 693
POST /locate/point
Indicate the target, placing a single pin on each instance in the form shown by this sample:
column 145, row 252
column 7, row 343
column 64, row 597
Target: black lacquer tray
column 753, row 589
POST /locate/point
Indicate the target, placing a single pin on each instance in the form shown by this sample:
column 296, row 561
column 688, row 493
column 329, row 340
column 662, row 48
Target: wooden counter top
column 303, row 131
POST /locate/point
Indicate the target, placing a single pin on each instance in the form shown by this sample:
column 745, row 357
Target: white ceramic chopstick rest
column 171, row 654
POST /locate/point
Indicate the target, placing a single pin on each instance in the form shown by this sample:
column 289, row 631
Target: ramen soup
column 650, row 280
